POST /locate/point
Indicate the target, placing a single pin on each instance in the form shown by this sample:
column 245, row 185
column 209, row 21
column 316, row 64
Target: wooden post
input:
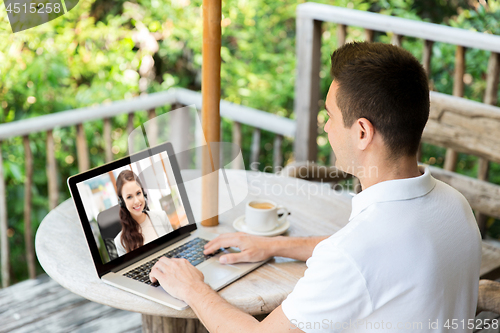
column 483, row 169
column 28, row 235
column 492, row 79
column 490, row 97
column 458, row 79
column 210, row 89
column 277, row 153
column 130, row 123
column 341, row 34
column 3, row 227
column 82, row 149
column 369, row 35
column 396, row 39
column 426, row 58
column 308, row 51
column 107, row 140
column 450, row 162
column 482, row 174
column 152, row 129
column 426, row 63
column 237, row 144
column 52, row 172
column 255, row 149
column 180, row 123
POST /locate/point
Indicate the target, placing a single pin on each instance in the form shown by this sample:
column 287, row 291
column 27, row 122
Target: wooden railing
column 260, row 120
column 309, row 28
column 310, row 17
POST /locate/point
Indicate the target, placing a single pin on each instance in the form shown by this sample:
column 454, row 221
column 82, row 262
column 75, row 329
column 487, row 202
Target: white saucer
column 240, row 225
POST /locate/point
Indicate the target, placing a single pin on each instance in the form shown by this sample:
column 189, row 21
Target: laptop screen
column 133, row 203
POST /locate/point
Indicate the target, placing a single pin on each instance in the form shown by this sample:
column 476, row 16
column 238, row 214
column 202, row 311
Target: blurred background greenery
column 94, row 55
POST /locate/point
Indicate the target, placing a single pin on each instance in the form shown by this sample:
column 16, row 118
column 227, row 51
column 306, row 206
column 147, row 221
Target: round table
column 315, row 209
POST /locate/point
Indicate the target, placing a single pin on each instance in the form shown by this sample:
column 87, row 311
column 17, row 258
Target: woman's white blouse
column 160, row 225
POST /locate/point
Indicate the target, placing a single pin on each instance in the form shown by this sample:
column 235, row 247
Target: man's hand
column 179, row 278
column 253, row 248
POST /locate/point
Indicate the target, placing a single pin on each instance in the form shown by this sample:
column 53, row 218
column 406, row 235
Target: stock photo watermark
column 354, row 324
column 26, row 14
column 182, row 127
column 450, row 324
column 326, row 180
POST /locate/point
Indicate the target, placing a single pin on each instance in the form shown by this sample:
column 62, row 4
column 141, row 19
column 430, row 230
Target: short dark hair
column 386, row 85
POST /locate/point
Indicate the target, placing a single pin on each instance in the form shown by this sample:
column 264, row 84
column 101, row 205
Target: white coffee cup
column 262, row 215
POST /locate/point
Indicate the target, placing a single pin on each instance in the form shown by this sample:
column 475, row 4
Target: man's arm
column 255, row 248
column 182, row 280
column 300, row 248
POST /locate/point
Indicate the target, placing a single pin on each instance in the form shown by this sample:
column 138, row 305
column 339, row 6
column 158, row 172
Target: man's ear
column 364, row 132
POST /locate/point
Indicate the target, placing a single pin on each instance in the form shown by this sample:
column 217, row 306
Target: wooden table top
column 315, row 210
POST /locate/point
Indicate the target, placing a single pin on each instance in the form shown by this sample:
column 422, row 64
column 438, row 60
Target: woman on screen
column 139, row 225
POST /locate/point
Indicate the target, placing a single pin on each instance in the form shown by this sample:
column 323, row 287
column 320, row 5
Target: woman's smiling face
column 134, row 199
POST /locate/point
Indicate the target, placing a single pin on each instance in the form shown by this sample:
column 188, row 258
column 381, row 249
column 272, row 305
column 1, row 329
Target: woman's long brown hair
column 131, row 238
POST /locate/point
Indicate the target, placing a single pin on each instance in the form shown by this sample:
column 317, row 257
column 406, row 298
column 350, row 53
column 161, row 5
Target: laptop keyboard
column 192, row 251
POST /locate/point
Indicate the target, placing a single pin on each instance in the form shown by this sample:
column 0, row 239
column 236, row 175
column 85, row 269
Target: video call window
column 152, row 206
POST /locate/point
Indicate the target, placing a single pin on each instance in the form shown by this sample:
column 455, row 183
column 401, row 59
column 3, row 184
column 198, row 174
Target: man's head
column 379, row 94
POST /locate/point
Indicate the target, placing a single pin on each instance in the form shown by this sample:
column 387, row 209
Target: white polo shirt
column 408, row 260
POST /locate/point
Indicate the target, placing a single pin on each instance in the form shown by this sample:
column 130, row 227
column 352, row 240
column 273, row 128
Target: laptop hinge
column 150, row 252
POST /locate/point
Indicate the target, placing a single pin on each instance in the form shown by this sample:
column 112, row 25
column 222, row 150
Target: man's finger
column 164, row 260
column 216, row 240
column 224, row 237
column 227, row 240
column 162, row 265
column 233, row 258
column 152, row 274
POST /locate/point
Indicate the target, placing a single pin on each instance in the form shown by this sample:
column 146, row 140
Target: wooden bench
column 469, row 127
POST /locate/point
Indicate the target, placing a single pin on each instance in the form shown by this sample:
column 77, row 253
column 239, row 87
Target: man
column 409, row 257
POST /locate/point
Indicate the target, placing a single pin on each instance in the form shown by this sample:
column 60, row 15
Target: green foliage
column 94, row 53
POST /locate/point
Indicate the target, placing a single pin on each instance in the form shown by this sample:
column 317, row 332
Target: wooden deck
column 42, row 305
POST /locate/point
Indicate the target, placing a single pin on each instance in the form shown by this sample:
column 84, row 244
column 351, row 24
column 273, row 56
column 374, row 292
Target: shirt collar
column 393, row 190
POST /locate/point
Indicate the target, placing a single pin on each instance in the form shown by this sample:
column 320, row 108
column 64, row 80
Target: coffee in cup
column 261, row 205
column 262, row 215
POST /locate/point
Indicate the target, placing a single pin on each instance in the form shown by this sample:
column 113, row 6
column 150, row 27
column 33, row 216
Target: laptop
column 95, row 196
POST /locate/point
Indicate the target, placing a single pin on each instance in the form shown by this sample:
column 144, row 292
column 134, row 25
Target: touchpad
column 216, row 273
